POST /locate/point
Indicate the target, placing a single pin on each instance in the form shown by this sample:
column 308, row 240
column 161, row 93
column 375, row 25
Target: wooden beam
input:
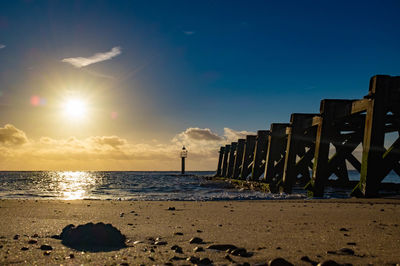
column 248, row 156
column 220, row 158
column 231, row 160
column 225, row 161
column 238, row 158
column 260, row 154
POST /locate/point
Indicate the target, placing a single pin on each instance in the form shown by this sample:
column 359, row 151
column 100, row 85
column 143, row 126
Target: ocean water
column 134, row 186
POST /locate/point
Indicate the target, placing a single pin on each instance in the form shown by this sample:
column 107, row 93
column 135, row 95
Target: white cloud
column 2, row 46
column 98, row 57
column 12, row 136
column 233, row 135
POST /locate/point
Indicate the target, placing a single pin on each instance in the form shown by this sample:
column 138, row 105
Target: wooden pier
column 314, row 147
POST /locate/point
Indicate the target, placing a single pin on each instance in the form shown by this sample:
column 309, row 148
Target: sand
column 290, row 229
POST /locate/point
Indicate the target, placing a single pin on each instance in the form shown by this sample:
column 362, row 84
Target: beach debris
column 46, row 247
column 279, row 262
column 24, row 248
column 196, row 240
column 342, row 251
column 198, row 249
column 329, row 263
column 222, row 247
column 177, row 249
column 160, row 243
column 307, row 259
column 171, row 209
column 32, row 241
column 92, row 237
column 16, row 237
column 47, row 253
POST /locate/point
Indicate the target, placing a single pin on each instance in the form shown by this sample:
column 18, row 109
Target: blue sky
column 190, row 64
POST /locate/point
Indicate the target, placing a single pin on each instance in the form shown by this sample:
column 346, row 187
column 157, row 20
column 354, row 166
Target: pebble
column 160, row 243
column 24, row 248
column 227, row 257
column 121, row 214
column 328, row 263
column 171, row 208
column 177, row 249
column 222, row 247
column 307, row 259
column 32, row 241
column 178, row 233
column 343, row 229
column 198, row 249
column 137, row 242
column 241, row 252
column 205, row 261
column 193, row 259
column 199, row 231
column 16, row 237
column 47, row 253
column 46, row 247
column 351, row 243
column 176, row 258
column 196, row 240
column 279, row 262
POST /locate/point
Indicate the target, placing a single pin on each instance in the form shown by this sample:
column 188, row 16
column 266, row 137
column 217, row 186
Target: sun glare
column 75, row 108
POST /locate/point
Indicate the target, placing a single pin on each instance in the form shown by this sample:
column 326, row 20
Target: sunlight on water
column 74, row 185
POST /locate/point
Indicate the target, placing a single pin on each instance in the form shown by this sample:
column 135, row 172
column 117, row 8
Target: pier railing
column 323, row 144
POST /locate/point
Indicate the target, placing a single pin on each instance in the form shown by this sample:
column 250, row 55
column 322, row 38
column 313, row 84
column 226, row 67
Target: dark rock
column 151, row 258
column 24, row 248
column 35, row 235
column 193, row 259
column 328, row 263
column 177, row 249
column 71, row 256
column 124, row 264
column 222, row 247
column 199, row 231
column 93, row 237
column 307, row 259
column 343, row 229
column 121, row 214
column 32, row 241
column 227, row 257
column 160, row 243
column 16, row 237
column 178, row 233
column 46, row 247
column 198, row 249
column 205, row 261
column 196, row 240
column 345, row 251
column 241, row 252
column 171, row 208
column 351, row 243
column 47, row 253
column 176, row 258
column 55, row 236
column 279, row 262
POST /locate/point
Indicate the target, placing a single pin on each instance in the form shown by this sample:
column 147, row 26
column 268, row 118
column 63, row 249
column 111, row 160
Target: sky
column 122, row 85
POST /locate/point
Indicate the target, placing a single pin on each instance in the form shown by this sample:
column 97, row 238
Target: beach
column 303, row 232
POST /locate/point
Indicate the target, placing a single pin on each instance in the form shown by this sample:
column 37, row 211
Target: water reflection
column 74, row 185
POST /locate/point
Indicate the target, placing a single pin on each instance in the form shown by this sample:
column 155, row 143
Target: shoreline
column 292, row 229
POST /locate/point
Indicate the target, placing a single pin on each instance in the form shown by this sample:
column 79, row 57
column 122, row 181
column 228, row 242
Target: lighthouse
column 183, row 156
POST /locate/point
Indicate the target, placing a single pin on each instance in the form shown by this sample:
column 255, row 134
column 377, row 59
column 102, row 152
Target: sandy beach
column 291, row 229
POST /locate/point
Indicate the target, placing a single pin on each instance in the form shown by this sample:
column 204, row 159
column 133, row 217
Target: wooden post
column 225, row 161
column 220, row 158
column 231, row 160
column 275, row 154
column 238, row 158
column 259, row 154
column 374, row 136
column 248, row 156
column 325, row 134
column 295, row 146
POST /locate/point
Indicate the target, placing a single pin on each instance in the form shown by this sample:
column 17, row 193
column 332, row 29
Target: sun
column 75, row 108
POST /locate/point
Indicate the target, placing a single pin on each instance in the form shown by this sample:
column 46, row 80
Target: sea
column 148, row 185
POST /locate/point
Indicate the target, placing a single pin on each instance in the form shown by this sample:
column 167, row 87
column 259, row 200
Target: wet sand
column 291, row 229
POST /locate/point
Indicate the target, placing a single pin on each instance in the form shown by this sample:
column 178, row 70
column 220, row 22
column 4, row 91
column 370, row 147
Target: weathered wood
column 225, row 161
column 275, row 153
column 248, row 156
column 299, row 123
column 259, row 154
column 238, row 158
column 231, row 160
column 220, row 158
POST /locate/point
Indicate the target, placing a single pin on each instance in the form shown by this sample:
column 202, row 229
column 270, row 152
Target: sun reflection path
column 75, row 185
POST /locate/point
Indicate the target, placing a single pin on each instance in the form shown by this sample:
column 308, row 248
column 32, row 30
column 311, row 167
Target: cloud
column 198, row 134
column 189, row 32
column 233, row 135
column 98, row 57
column 10, row 135
column 2, row 46
column 112, row 141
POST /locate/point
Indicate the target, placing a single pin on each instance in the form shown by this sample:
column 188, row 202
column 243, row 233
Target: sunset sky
column 121, row 85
